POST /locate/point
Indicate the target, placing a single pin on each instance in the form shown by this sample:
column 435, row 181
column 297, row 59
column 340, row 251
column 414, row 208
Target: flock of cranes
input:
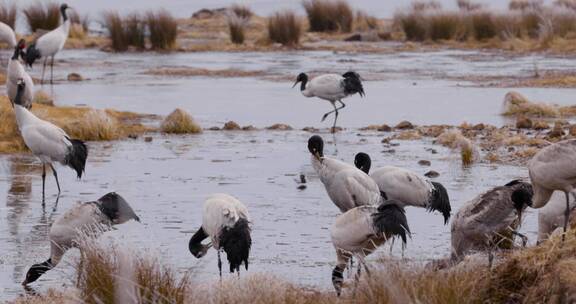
column 372, row 202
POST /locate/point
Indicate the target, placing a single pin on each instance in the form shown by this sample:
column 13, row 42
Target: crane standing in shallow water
column 554, row 168
column 331, row 87
column 49, row 44
column 48, row 142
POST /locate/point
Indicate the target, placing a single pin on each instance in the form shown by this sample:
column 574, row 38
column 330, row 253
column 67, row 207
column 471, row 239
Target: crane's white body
column 353, row 232
column 221, row 210
column 7, row 35
column 14, row 72
column 72, row 227
column 328, row 87
column 553, row 168
column 347, row 186
column 551, row 216
column 48, row 142
column 403, row 185
column 53, row 42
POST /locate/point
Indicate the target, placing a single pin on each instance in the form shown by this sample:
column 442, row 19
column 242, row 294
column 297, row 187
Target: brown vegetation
column 284, row 28
column 180, row 122
column 8, row 13
column 329, row 16
column 42, row 16
column 163, row 30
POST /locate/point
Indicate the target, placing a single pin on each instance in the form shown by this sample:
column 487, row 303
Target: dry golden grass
column 241, row 11
column 80, row 122
column 540, row 274
column 236, row 28
column 42, row 97
column 284, row 28
column 189, row 72
column 42, row 16
column 180, row 122
column 113, row 24
column 8, row 11
column 329, row 16
column 365, row 22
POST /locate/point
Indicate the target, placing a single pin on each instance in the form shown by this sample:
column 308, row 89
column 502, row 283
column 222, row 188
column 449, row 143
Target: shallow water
column 167, row 180
column 410, row 86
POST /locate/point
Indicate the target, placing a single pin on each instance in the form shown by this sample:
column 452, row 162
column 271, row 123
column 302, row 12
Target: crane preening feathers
column 48, row 142
column 227, row 222
column 331, row 87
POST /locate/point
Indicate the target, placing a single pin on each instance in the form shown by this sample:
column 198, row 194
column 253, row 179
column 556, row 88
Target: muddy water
column 167, row 180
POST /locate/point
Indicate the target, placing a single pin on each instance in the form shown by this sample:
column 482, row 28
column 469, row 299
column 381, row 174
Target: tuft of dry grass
column 115, row 27
column 284, row 28
column 42, row 97
column 134, row 28
column 236, row 28
column 329, row 16
column 524, row 5
column 42, row 16
column 365, row 22
column 180, row 122
column 163, row 29
column 241, row 11
column 95, row 125
column 83, row 21
column 8, row 13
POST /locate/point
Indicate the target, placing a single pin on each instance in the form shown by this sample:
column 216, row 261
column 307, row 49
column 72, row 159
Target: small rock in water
column 302, row 187
column 309, row 129
column 384, row 128
column 432, row 174
column 231, row 126
column 75, row 77
column 214, row 129
column 523, row 122
column 148, row 139
column 424, row 162
column 280, row 127
column 403, row 125
column 248, row 128
column 389, row 151
column 133, row 136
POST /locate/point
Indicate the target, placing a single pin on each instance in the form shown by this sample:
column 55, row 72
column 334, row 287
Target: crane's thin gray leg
column 220, row 265
column 328, row 113
column 43, row 69
column 52, row 71
column 43, row 182
column 522, row 236
column 56, row 177
column 566, row 215
column 336, row 116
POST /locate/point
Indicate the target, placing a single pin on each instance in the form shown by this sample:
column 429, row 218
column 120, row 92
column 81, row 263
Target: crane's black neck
column 17, row 52
column 63, row 12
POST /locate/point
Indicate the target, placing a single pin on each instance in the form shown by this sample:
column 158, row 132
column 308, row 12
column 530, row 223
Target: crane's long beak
column 295, row 83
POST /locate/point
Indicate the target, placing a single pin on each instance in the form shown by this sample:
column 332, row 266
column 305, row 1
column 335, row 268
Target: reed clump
column 163, row 29
column 95, row 125
column 237, row 20
column 329, row 16
column 42, row 16
column 8, row 13
column 180, row 122
column 284, row 28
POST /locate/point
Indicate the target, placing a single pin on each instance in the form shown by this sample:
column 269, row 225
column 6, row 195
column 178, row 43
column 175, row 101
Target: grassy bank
column 540, row 274
column 79, row 122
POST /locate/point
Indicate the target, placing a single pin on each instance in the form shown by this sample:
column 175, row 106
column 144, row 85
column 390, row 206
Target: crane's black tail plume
column 352, row 84
column 76, row 157
column 32, row 53
column 390, row 219
column 440, row 201
column 236, row 242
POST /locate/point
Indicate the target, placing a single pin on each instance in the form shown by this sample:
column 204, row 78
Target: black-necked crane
column 49, row 44
column 331, row 87
column 551, row 216
column 554, row 168
column 360, row 231
column 48, row 142
column 16, row 72
column 83, row 220
column 346, row 185
column 490, row 220
column 407, row 187
column 226, row 221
